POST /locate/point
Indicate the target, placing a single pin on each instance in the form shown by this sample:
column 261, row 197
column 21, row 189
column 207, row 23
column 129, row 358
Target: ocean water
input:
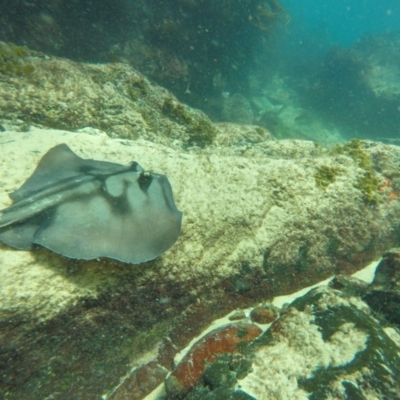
column 341, row 58
column 315, row 27
column 345, row 21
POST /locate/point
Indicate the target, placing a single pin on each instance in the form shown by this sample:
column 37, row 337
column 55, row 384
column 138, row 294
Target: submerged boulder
column 260, row 219
column 325, row 344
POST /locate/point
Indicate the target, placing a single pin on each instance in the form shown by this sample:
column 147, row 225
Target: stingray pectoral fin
column 79, row 229
column 21, row 235
column 84, row 209
column 59, row 164
column 136, row 226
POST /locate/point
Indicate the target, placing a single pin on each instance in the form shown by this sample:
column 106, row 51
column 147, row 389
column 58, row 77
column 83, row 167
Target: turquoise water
column 345, row 21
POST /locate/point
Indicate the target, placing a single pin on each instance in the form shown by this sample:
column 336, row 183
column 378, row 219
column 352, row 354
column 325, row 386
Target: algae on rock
column 368, row 182
column 326, row 175
column 15, row 59
column 62, row 94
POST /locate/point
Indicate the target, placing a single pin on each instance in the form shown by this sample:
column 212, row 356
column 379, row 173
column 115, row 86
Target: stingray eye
column 145, row 179
column 133, row 166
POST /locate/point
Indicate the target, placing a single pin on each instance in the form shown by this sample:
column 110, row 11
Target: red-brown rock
column 263, row 314
column 205, row 351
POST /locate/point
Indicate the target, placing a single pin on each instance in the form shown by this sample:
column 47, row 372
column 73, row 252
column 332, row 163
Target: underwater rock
column 267, row 198
column 264, row 314
column 383, row 295
column 237, row 315
column 256, row 225
column 116, row 98
column 325, row 344
column 281, row 225
column 241, row 136
column 329, row 345
column 237, row 109
column 229, row 339
column 349, row 285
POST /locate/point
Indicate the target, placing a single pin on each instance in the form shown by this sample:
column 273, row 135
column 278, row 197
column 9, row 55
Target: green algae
column 261, row 131
column 355, row 151
column 176, row 110
column 326, row 175
column 368, row 182
column 137, row 89
column 13, row 59
column 200, row 130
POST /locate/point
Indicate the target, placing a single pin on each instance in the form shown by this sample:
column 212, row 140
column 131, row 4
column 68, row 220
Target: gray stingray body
column 86, row 209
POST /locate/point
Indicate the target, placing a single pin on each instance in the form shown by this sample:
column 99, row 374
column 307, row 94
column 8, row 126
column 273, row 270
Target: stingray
column 86, row 209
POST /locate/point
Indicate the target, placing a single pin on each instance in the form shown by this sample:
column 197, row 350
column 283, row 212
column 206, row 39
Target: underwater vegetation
column 264, row 15
column 326, row 175
column 14, row 59
column 368, row 183
column 200, row 131
column 358, row 88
